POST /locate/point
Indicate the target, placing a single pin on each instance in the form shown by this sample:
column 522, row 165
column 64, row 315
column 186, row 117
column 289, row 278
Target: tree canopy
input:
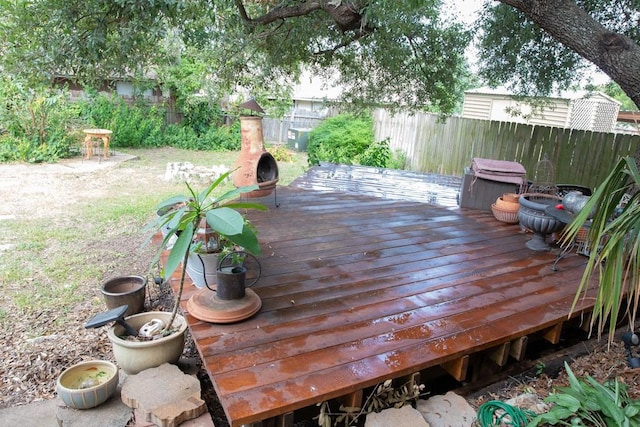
column 404, row 53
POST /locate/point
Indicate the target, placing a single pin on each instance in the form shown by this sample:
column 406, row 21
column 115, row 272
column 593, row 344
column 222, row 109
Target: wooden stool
column 90, row 135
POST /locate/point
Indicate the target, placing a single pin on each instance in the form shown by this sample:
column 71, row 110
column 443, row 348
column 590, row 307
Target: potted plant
column 182, row 224
column 612, row 218
column 219, row 214
column 208, row 249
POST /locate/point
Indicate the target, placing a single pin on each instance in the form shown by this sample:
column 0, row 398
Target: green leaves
column 614, row 258
column 397, row 52
column 179, row 249
column 36, row 120
column 181, row 215
column 341, row 139
column 225, row 221
column 602, row 405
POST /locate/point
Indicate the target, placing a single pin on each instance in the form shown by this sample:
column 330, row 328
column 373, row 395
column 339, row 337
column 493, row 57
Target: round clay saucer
column 206, row 306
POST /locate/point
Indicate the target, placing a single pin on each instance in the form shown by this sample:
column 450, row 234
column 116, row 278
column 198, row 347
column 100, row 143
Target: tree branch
column 615, row 54
column 355, row 37
column 346, row 15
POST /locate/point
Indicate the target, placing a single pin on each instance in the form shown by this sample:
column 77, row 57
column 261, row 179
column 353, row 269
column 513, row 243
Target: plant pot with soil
column 147, row 340
column 153, row 346
column 125, row 290
column 203, row 223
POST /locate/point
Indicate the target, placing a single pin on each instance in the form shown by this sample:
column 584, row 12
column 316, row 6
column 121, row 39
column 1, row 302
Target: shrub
column 180, row 137
column 222, row 138
column 138, row 125
column 587, row 402
column 200, row 114
column 280, row 153
column 36, row 122
column 9, row 148
column 377, row 154
column 347, row 139
column 142, row 125
column 398, row 160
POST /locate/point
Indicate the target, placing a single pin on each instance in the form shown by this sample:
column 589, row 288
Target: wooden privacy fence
column 446, row 146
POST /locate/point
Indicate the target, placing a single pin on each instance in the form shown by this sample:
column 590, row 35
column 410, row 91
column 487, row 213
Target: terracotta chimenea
column 255, row 164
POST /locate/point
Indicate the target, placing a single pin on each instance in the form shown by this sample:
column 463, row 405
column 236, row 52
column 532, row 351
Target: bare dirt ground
column 37, row 346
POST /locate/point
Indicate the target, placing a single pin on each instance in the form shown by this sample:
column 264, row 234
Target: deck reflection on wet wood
column 358, row 289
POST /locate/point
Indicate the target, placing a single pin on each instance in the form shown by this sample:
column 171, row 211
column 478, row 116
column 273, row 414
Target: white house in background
column 592, row 111
column 308, row 109
column 312, row 93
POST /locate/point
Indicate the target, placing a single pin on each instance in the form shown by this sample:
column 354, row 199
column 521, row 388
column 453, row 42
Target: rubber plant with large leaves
column 182, row 215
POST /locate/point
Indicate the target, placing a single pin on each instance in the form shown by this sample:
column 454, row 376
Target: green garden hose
column 495, row 412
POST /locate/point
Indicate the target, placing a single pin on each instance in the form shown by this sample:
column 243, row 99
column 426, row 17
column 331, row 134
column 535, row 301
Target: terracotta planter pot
column 507, row 206
column 510, row 216
column 136, row 356
column 511, row 197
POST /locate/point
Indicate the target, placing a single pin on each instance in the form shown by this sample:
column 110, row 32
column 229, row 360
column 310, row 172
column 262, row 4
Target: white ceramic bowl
column 87, row 384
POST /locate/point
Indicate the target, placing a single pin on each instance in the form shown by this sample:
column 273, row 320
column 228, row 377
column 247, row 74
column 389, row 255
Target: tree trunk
column 615, row 54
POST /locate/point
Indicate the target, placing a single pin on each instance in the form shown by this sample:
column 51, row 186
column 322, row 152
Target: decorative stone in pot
column 125, row 290
column 134, row 355
column 532, row 216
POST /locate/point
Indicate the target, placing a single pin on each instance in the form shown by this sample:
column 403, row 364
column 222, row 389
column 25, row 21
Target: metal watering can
column 231, row 276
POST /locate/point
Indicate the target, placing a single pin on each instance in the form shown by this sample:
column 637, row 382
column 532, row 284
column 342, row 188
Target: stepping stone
column 397, row 417
column 112, row 413
column 450, row 410
column 164, row 395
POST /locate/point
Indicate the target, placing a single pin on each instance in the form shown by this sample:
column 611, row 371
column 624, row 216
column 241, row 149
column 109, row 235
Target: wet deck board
column 396, row 184
column 358, row 289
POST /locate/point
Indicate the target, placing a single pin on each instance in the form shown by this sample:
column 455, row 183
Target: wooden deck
column 358, row 289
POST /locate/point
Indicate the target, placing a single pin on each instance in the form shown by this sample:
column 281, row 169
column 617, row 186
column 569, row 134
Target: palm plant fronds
column 613, row 239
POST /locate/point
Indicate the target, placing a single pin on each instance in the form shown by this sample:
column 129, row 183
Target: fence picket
column 434, row 145
column 580, row 157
